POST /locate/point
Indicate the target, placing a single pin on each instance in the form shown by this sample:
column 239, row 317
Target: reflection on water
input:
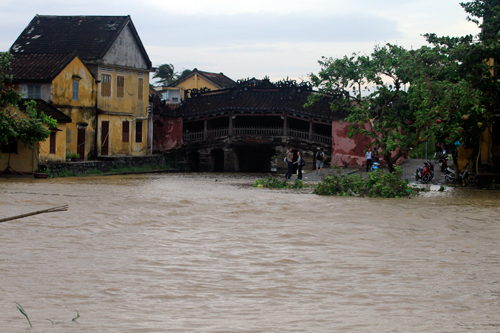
column 210, row 253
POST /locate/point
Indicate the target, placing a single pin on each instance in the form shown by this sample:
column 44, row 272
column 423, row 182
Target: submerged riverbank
column 208, row 252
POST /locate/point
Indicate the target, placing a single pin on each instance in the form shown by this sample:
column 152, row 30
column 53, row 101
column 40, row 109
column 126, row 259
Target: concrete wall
column 46, row 89
column 125, row 52
column 105, row 164
column 347, row 151
column 167, row 133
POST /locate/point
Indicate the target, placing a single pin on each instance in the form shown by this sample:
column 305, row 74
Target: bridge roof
column 257, row 100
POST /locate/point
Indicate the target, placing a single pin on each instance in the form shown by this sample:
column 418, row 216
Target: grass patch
column 377, row 184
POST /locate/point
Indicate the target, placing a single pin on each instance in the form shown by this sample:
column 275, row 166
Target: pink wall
column 167, row 133
column 345, row 150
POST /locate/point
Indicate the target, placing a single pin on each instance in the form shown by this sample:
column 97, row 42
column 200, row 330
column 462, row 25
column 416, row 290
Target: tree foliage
column 401, row 98
column 15, row 125
column 166, row 74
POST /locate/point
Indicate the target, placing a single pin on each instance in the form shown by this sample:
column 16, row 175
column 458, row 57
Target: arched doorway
column 217, row 160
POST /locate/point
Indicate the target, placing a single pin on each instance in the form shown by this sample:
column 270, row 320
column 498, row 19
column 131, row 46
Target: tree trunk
column 390, row 161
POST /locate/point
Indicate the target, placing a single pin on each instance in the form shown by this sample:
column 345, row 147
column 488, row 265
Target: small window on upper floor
column 140, row 92
column 76, row 89
column 120, row 86
column 34, row 91
column 106, row 85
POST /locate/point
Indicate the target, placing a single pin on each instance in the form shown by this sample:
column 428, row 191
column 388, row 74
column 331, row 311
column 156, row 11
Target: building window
column 140, row 92
column 10, row 148
column 106, row 85
column 34, row 91
column 125, row 131
column 52, row 142
column 138, row 131
column 120, row 86
column 76, row 89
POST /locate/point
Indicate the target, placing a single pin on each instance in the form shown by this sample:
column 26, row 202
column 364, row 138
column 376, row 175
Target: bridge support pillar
column 231, row 162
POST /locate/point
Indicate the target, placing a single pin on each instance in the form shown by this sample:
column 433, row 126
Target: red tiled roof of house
column 48, row 109
column 40, row 67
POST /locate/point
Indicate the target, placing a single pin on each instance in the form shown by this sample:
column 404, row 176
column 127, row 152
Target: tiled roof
column 218, row 79
column 90, row 36
column 41, row 67
column 291, row 100
column 48, row 109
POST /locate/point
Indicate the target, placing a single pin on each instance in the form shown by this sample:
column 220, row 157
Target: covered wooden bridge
column 248, row 128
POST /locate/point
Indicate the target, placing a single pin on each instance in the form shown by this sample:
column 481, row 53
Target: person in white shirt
column 369, row 160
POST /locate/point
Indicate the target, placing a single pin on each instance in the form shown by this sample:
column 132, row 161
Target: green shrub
column 377, row 184
column 271, row 182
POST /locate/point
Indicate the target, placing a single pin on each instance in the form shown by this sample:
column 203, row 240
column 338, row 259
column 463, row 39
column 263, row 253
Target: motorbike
column 443, row 162
column 463, row 177
column 425, row 173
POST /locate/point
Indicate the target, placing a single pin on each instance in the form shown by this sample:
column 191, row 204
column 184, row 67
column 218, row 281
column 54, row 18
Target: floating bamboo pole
column 50, row 210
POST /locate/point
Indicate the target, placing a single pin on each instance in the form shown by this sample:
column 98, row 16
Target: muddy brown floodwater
column 210, row 253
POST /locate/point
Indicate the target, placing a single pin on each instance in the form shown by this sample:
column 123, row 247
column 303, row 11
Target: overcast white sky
column 254, row 38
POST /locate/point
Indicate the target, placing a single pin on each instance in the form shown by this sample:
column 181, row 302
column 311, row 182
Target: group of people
column 371, row 158
column 320, row 156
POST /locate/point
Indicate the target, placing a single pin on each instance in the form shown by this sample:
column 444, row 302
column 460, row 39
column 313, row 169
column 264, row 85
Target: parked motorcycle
column 463, row 177
column 443, row 162
column 425, row 173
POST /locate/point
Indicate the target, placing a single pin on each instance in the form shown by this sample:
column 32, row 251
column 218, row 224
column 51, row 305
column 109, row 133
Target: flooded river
column 210, row 253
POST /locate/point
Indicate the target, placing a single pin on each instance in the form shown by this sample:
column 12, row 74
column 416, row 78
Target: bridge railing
column 269, row 131
column 321, row 138
column 258, row 131
column 217, row 132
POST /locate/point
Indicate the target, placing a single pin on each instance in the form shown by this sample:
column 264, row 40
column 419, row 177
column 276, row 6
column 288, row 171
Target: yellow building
column 67, row 84
column 110, row 116
column 19, row 159
column 200, row 80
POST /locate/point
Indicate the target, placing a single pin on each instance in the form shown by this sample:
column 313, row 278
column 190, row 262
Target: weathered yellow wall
column 21, row 162
column 116, row 146
column 60, row 155
column 81, row 110
column 62, row 86
column 128, row 108
column 196, row 82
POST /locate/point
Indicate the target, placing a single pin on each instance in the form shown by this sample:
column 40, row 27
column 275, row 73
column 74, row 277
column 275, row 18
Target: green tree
column 14, row 126
column 401, row 98
column 166, row 74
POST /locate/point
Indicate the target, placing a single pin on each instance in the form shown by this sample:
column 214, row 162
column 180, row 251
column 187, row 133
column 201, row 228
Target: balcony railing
column 252, row 131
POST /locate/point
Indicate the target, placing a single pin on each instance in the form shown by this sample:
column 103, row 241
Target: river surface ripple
column 210, row 253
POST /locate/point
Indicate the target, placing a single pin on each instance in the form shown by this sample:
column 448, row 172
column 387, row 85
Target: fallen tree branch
column 50, row 210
